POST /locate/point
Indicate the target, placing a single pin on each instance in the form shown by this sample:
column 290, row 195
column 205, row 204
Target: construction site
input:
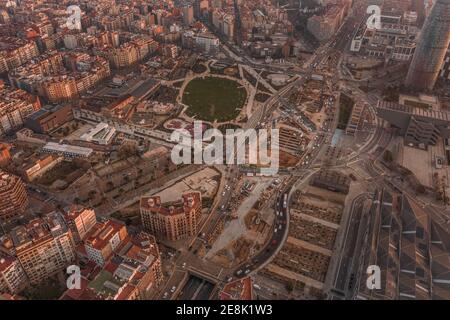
column 303, row 262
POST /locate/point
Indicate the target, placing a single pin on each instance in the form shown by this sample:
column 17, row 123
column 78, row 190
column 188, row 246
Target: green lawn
column 214, row 98
column 49, row 289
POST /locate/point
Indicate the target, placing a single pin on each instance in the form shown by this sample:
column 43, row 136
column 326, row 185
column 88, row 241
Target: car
column 183, row 265
column 239, row 272
column 275, row 231
column 229, row 279
column 247, row 271
column 165, row 294
column 173, row 289
column 256, row 286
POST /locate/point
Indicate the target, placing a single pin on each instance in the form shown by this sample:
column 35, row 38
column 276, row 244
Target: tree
column 290, row 286
column 92, row 194
column 109, row 185
column 420, row 189
column 128, row 150
column 128, row 222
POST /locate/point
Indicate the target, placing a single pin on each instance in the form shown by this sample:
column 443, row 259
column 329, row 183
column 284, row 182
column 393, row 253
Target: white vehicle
column 247, row 271
column 183, row 265
column 256, row 286
column 275, row 231
column 173, row 289
column 239, row 272
column 165, row 295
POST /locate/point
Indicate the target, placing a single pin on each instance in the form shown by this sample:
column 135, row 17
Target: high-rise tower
column 431, row 48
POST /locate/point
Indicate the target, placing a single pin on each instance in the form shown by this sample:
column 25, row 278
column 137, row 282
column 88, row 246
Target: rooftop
column 102, row 232
column 189, row 200
column 65, row 148
column 416, row 111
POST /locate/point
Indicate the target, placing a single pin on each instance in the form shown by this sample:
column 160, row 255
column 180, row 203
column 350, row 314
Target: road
column 279, row 235
column 264, row 114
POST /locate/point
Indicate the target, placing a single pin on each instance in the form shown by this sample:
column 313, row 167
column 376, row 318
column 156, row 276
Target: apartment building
column 12, row 276
column 15, row 106
column 44, row 246
column 60, row 88
column 135, row 273
column 140, row 264
column 15, row 52
column 13, row 197
column 172, row 221
column 203, row 41
column 103, row 239
column 323, row 27
column 224, row 23
column 29, row 76
column 85, row 72
column 131, row 52
column 5, row 155
column 80, row 221
column 188, row 15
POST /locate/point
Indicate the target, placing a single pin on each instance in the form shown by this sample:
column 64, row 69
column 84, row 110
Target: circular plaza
column 214, row 99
